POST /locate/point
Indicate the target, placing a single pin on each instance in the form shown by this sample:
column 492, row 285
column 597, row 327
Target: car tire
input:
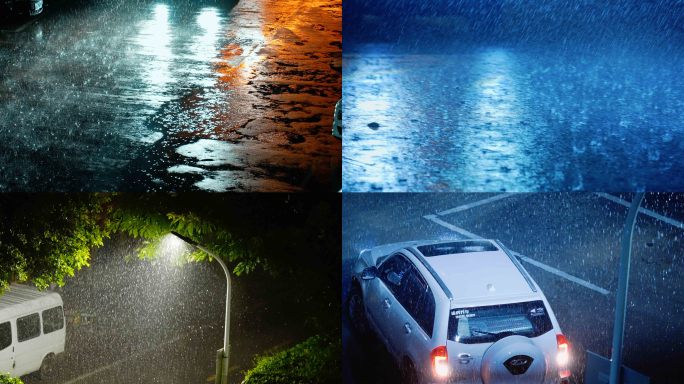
column 408, row 373
column 356, row 311
column 47, row 368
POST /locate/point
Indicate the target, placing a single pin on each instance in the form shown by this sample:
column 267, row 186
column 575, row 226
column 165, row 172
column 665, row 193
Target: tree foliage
column 47, row 237
column 4, row 379
column 316, row 360
column 296, row 237
column 249, row 232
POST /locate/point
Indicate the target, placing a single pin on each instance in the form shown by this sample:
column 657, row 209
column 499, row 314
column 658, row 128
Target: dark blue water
column 513, row 95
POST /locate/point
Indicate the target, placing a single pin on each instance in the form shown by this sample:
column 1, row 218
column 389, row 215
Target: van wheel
column 356, row 311
column 408, row 373
column 47, row 368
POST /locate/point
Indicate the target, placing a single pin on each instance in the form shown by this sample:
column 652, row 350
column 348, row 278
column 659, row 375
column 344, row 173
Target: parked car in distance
column 21, row 7
column 32, row 331
column 457, row 312
column 337, row 120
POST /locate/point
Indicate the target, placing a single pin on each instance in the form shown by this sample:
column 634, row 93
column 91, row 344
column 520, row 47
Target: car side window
column 418, row 300
column 410, row 289
column 28, row 327
column 426, row 313
column 5, row 335
column 392, row 272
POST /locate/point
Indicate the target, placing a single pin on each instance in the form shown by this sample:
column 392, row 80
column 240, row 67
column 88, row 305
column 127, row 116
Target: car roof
column 477, row 271
column 22, row 299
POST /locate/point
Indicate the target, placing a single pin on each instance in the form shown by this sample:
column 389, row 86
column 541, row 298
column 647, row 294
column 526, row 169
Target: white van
column 32, row 330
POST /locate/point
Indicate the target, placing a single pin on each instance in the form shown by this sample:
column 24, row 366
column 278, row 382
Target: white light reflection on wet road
column 154, row 42
column 498, row 145
column 389, row 111
column 445, row 122
column 205, row 45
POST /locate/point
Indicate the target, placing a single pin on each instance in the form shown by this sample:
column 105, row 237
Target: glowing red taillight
column 563, row 356
column 440, row 361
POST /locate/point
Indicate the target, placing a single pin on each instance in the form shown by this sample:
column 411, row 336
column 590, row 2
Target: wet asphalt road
column 513, row 117
column 171, row 95
column 141, row 322
column 578, row 234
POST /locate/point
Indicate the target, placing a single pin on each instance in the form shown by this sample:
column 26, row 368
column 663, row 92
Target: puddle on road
column 247, row 118
column 218, row 181
column 208, row 152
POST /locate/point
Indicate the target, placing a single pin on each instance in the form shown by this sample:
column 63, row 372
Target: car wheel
column 408, row 373
column 356, row 311
column 47, row 368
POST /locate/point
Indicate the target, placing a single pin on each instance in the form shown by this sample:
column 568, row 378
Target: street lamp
column 623, row 286
column 221, row 354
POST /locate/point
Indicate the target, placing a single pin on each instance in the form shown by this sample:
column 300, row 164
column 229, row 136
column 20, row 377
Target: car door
column 380, row 295
column 6, row 348
column 29, row 347
column 412, row 318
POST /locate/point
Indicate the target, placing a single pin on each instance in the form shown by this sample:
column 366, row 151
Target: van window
column 28, row 327
column 5, row 335
column 53, row 320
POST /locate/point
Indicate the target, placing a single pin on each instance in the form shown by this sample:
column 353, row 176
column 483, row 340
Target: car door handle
column 407, row 328
column 464, row 358
column 386, row 304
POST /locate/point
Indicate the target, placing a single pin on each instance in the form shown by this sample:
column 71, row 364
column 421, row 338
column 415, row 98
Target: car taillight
column 563, row 356
column 440, row 361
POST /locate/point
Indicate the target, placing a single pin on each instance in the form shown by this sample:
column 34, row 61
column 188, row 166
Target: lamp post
column 623, row 285
column 222, row 354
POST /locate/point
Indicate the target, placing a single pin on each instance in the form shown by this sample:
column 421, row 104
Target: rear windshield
column 488, row 324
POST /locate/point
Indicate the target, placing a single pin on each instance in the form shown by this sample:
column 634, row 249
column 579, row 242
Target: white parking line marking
column 562, row 274
column 648, row 212
column 452, row 227
column 475, row 204
column 524, row 258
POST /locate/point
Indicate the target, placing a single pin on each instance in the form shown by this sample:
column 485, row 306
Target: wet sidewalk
column 526, row 117
column 172, row 95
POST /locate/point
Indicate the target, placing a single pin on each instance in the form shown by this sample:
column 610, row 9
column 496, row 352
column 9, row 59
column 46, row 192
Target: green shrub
column 4, row 379
column 316, row 360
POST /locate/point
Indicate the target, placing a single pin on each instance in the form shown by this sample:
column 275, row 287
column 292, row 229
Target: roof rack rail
column 434, row 274
column 517, row 265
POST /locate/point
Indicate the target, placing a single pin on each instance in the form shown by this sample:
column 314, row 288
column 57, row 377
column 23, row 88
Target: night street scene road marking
column 568, row 242
column 675, row 223
column 543, row 266
column 131, row 290
column 517, row 96
column 172, row 95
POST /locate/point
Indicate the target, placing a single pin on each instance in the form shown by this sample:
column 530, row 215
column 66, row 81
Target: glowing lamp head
column 440, row 362
column 173, row 248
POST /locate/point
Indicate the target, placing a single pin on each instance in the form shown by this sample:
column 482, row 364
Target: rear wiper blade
column 483, row 332
column 497, row 334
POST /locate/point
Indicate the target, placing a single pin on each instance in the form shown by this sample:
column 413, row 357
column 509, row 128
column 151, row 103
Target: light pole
column 222, row 354
column 623, row 285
